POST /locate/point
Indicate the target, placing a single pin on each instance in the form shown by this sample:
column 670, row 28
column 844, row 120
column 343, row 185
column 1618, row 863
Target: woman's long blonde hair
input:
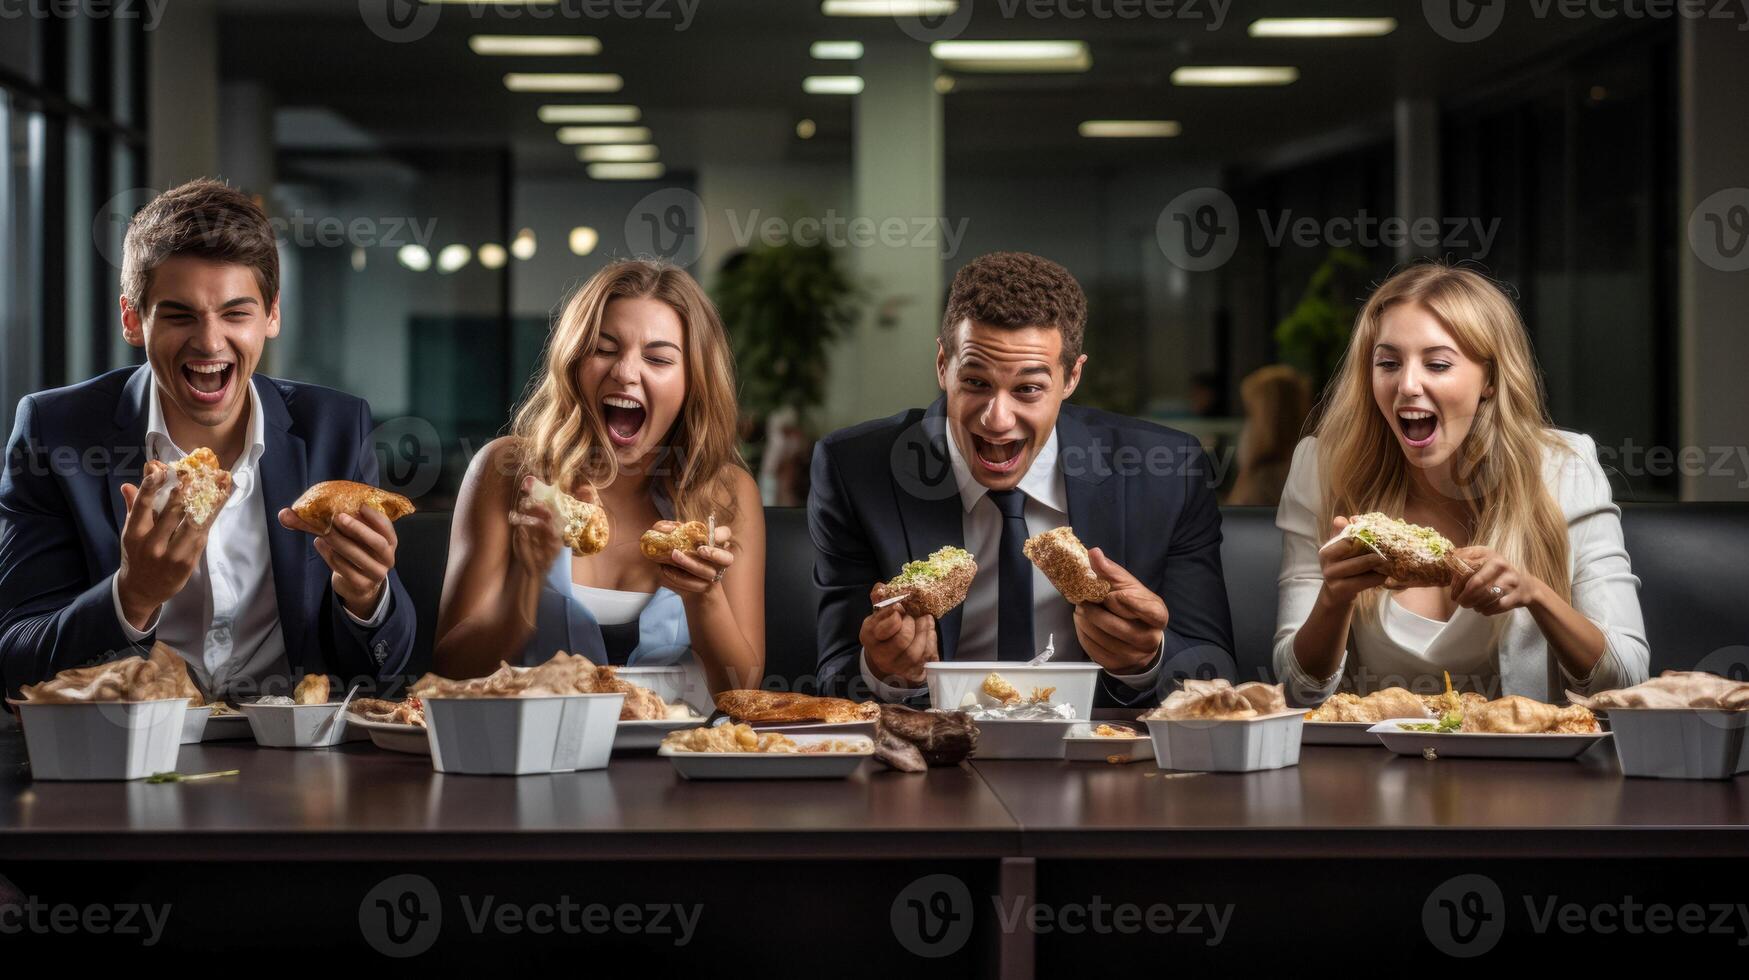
column 1498, row 470
column 561, row 436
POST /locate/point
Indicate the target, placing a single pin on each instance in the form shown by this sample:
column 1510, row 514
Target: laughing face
column 1426, row 387
column 1004, row 388
column 203, row 326
column 636, row 376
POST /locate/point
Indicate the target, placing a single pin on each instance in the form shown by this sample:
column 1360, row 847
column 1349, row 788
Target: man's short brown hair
column 205, row 219
column 1018, row 289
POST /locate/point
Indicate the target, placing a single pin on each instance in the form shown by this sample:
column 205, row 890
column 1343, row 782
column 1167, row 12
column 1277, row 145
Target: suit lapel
column 929, row 501
column 1095, row 504
column 127, row 446
column 284, row 475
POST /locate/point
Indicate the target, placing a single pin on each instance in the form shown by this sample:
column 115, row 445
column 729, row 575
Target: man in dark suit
column 998, row 458
column 97, row 563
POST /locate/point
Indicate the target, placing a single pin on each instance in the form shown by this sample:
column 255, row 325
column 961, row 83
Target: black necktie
column 1013, row 580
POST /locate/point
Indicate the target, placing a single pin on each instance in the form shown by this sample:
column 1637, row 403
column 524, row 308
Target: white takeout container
column 1680, row 743
column 669, row 682
column 1023, row 738
column 1341, row 733
column 518, row 736
column 1081, row 745
column 647, row 735
column 296, row 726
column 770, row 765
column 1238, row 745
column 951, row 684
column 194, row 723
column 103, row 739
column 1482, row 745
column 229, row 726
column 393, row 737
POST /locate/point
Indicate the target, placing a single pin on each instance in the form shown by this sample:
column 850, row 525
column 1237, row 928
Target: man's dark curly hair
column 202, row 218
column 1018, row 289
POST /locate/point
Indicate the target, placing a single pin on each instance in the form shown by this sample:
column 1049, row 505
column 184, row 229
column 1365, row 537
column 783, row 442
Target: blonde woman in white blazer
column 1437, row 417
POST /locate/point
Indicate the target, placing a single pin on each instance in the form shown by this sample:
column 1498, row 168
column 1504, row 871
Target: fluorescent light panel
column 1013, row 56
column 1130, row 128
column 835, row 50
column 618, row 153
column 626, row 171
column 888, row 8
column 520, row 81
column 1218, row 75
column 520, row 44
column 1322, row 27
column 604, row 134
column 560, row 114
column 832, row 84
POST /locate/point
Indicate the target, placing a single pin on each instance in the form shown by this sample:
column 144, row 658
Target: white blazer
column 1514, row 651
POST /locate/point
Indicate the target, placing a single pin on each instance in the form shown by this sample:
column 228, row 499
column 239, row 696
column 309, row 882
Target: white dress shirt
column 225, row 621
column 1047, row 506
column 1493, row 655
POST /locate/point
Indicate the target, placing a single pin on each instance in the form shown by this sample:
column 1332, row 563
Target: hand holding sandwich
column 697, row 570
column 535, row 538
column 896, row 643
column 158, row 550
column 1348, row 571
column 1122, row 632
column 359, row 551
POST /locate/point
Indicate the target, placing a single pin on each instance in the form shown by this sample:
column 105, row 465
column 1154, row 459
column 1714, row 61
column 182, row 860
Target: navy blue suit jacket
column 883, row 493
column 61, row 514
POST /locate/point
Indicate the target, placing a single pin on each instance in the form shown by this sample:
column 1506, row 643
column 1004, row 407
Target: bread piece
column 163, row 674
column 313, row 689
column 657, row 544
column 327, row 500
column 1392, row 702
column 1417, row 555
column 782, row 706
column 583, row 525
column 933, row 586
column 1219, row 700
column 1518, row 715
column 1673, row 689
column 204, row 486
column 1063, row 559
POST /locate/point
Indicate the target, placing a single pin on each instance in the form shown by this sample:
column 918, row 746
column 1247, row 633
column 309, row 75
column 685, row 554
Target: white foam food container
column 296, row 726
column 772, row 765
column 954, row 684
column 1023, row 738
column 1482, row 745
column 647, row 735
column 102, row 739
column 519, row 736
column 194, row 723
column 1238, row 745
column 394, row 737
column 1081, row 745
column 1340, row 733
column 227, row 726
column 1680, row 743
column 669, row 682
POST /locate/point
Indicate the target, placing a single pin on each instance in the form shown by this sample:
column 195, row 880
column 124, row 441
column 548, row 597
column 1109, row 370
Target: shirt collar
column 1042, row 482
column 160, row 446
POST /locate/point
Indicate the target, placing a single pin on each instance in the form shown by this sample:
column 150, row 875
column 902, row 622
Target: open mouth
column 208, row 381
column 998, row 457
column 624, row 417
column 1418, row 426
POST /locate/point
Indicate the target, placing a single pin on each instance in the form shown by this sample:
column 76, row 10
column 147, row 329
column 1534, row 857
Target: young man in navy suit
column 90, row 571
column 999, row 457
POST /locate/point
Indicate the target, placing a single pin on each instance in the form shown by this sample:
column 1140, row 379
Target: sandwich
column 327, row 500
column 581, row 524
column 1416, row 555
column 1063, row 559
column 657, row 544
column 934, row 585
column 313, row 689
column 204, row 485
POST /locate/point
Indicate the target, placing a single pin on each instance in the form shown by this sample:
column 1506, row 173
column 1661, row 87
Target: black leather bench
column 1690, row 559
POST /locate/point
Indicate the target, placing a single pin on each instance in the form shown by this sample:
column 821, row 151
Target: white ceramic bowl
column 296, row 726
column 194, row 723
column 102, row 740
column 951, row 684
column 517, row 736
column 1680, row 743
column 1245, row 745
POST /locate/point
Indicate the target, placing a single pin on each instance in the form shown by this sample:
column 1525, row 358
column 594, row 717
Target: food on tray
column 998, row 687
column 582, row 525
column 1416, row 555
column 325, row 501
column 408, row 712
column 1116, row 731
column 684, row 537
column 1673, row 689
column 911, row 741
column 562, row 675
column 1219, row 700
column 1063, row 559
column 934, row 585
column 1511, row 715
column 222, row 710
column 745, row 738
column 782, row 706
column 313, row 689
column 275, row 701
column 204, row 485
column 1392, row 702
column 162, row 674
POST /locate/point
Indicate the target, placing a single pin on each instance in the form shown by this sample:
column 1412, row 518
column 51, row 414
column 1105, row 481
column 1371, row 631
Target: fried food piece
column 327, row 500
column 204, row 485
column 581, row 524
column 1416, row 555
column 1115, row 731
column 1673, row 689
column 313, row 689
column 1518, row 715
column 934, row 585
column 408, row 712
column 783, row 706
column 1219, row 700
column 1392, row 702
column 1063, row 559
column 911, row 741
column 657, row 544
column 563, row 674
column 997, row 686
column 160, row 675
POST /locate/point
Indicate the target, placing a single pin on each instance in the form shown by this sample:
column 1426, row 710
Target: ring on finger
column 1496, row 591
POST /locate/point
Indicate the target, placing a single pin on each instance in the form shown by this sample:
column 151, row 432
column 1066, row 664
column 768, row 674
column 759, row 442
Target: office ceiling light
column 493, row 256
column 835, row 50
column 1013, row 56
column 805, row 129
column 414, row 257
column 523, row 245
column 453, row 258
column 943, row 84
column 534, row 44
column 1129, row 128
column 626, row 171
column 359, row 259
column 573, row 135
column 832, row 84
column 583, row 239
column 1322, row 27
column 888, row 8
column 522, row 81
column 1220, row 75
column 560, row 114
column 618, row 153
